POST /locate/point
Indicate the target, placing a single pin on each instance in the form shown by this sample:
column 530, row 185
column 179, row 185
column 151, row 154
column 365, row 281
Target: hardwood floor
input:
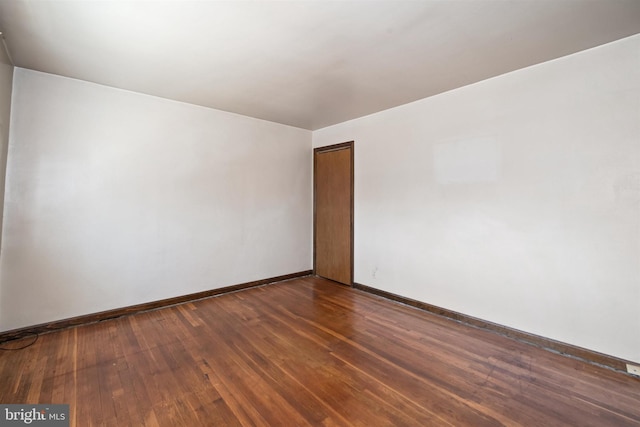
column 308, row 352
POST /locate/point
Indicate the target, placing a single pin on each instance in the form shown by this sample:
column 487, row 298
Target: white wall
column 6, row 85
column 515, row 200
column 116, row 198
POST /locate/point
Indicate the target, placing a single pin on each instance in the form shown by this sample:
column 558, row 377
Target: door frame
column 335, row 147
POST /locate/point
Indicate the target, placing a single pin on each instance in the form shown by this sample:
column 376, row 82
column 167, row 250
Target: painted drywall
column 116, row 198
column 6, row 85
column 515, row 200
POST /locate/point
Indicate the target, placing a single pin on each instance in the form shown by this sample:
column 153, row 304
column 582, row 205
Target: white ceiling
column 304, row 63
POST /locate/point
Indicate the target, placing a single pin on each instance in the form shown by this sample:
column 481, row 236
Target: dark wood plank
column 308, row 352
column 124, row 311
column 547, row 343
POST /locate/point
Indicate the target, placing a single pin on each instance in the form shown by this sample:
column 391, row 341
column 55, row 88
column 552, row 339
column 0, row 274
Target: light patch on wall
column 467, row 161
column 627, row 188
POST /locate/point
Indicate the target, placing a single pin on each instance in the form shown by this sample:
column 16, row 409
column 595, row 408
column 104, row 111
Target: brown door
column 333, row 219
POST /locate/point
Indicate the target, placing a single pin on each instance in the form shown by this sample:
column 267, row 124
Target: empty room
column 320, row 213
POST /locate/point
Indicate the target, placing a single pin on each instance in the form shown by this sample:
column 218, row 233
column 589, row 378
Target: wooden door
column 333, row 212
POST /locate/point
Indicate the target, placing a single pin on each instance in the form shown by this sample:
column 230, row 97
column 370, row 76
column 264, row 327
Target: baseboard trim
column 15, row 334
column 549, row 344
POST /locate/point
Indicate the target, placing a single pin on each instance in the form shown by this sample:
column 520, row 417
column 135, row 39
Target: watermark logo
column 35, row 415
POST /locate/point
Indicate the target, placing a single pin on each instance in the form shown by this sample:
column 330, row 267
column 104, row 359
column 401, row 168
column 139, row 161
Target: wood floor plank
column 308, row 352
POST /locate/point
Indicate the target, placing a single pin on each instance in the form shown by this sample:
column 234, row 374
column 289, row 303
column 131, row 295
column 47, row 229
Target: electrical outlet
column 633, row 369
